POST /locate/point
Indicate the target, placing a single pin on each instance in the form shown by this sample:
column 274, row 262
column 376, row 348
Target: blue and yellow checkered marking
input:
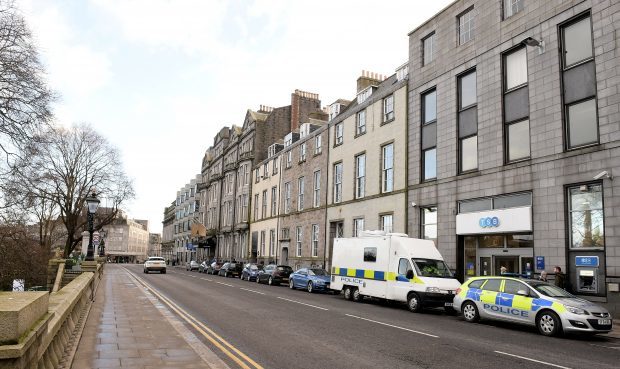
column 376, row 275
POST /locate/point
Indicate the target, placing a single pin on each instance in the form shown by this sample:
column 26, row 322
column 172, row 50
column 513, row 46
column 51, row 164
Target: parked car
column 232, row 269
column 551, row 309
column 214, row 268
column 274, row 274
column 312, row 279
column 203, row 267
column 192, row 265
column 155, row 263
column 250, row 271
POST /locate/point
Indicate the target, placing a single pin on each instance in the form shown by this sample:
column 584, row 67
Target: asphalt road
column 280, row 328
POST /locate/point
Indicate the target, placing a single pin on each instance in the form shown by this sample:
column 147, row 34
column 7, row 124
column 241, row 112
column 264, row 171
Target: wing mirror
column 522, row 293
column 409, row 274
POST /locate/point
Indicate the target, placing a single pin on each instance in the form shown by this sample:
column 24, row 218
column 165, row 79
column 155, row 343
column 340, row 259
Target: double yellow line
column 229, row 350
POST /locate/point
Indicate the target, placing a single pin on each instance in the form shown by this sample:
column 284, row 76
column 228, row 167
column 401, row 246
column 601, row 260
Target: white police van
column 394, row 267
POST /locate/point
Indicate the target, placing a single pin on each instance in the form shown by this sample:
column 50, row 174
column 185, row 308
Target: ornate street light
column 93, row 203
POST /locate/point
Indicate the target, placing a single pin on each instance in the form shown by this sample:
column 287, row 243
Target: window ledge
column 360, row 134
column 387, row 122
column 338, row 144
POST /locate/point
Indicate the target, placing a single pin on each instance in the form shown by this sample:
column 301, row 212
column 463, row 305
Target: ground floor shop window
column 498, row 254
column 586, row 216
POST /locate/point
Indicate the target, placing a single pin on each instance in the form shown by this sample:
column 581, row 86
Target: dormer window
column 365, row 94
column 334, row 110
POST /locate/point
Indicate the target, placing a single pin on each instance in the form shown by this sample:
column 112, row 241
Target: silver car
column 551, row 309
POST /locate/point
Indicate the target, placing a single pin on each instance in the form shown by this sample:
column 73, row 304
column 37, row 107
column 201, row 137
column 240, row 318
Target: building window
column 387, row 168
column 337, row 183
column 266, row 170
column 315, row 240
column 429, row 135
column 386, row 222
column 429, row 223
column 256, row 175
column 388, row 108
column 272, row 242
column 289, row 158
column 298, row 237
column 286, row 234
column 339, row 133
column 274, row 201
column 264, row 208
column 300, row 194
column 428, row 49
column 512, row 7
column 274, row 165
column 316, row 191
column 468, row 122
column 466, row 26
column 302, row 152
column 358, row 226
column 360, row 176
column 287, row 197
column 255, row 207
column 516, row 105
column 317, row 145
column 360, row 126
column 262, row 243
column 244, row 211
column 586, row 216
column 579, row 82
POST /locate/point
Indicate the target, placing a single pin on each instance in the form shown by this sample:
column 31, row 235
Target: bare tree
column 61, row 171
column 24, row 97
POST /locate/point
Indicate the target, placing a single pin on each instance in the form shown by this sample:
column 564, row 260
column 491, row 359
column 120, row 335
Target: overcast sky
column 159, row 78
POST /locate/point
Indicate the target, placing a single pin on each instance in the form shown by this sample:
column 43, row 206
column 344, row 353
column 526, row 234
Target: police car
column 551, row 309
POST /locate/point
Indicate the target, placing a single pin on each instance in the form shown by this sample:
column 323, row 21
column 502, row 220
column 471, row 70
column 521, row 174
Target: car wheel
column 356, row 295
column 414, row 303
column 291, row 284
column 257, row 280
column 470, row 312
column 144, row 271
column 347, row 293
column 310, row 287
column 270, row 282
column 548, row 323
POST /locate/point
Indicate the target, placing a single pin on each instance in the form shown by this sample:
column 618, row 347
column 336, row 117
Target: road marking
column 225, row 284
column 303, row 303
column 393, row 326
column 203, row 329
column 534, row 360
column 207, row 279
column 245, row 289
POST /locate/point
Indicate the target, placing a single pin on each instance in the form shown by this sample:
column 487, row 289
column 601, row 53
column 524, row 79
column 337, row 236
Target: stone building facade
column 303, row 195
column 187, row 209
column 515, row 137
column 167, row 237
column 367, row 175
column 126, row 240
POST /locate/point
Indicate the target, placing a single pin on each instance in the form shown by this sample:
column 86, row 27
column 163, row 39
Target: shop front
column 495, row 238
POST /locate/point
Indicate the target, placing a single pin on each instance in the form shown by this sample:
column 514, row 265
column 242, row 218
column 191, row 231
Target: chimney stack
column 368, row 79
column 302, row 104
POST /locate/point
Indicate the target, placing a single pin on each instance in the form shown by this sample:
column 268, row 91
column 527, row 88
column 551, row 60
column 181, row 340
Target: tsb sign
column 489, row 222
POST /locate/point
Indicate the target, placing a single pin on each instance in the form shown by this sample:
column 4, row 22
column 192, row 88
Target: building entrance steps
column 128, row 328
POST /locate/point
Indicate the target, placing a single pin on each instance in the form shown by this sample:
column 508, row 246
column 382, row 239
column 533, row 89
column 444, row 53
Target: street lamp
column 93, row 203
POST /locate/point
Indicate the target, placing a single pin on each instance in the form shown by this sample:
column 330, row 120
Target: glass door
column 505, row 264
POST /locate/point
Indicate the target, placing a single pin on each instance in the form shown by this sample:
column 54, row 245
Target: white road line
column 207, row 279
column 534, row 360
column 393, row 326
column 303, row 303
column 245, row 289
column 225, row 284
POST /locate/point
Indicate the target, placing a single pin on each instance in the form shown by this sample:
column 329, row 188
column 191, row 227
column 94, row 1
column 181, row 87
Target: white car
column 551, row 309
column 155, row 263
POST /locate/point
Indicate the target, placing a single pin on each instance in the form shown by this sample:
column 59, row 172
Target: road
column 275, row 327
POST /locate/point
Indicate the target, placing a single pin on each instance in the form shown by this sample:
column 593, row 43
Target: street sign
column 586, row 261
column 18, row 285
column 96, row 238
column 540, row 262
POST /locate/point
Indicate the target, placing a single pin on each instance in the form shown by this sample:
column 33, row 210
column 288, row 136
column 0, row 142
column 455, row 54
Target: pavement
column 129, row 328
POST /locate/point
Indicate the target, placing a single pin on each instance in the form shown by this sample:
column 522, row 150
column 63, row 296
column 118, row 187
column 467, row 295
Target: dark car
column 250, row 271
column 232, row 269
column 311, row 279
column 274, row 274
column 214, row 268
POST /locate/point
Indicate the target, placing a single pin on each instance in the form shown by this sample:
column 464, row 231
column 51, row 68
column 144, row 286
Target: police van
column 392, row 266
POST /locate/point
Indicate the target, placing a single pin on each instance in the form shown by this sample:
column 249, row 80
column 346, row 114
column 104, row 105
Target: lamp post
column 102, row 243
column 93, row 203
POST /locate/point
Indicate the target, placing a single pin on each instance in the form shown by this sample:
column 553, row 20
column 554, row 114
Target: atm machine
column 587, row 274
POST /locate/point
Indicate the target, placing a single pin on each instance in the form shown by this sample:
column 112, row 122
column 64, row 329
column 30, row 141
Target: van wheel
column 548, row 323
column 347, row 293
column 357, row 296
column 414, row 303
column 470, row 312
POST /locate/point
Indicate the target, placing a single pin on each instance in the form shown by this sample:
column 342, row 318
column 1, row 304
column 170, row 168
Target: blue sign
column 190, row 246
column 586, row 261
column 540, row 262
column 489, row 222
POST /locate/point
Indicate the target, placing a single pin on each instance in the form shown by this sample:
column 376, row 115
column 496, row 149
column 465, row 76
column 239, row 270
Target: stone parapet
column 19, row 311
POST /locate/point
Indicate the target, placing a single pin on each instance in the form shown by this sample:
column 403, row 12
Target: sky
column 160, row 78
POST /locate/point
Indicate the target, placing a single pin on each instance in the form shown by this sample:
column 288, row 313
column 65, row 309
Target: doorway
column 510, row 263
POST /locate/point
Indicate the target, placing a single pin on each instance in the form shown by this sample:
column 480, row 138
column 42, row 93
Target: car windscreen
column 156, row 259
column 254, row 267
column 317, row 272
column 285, row 269
column 431, row 268
column 549, row 290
